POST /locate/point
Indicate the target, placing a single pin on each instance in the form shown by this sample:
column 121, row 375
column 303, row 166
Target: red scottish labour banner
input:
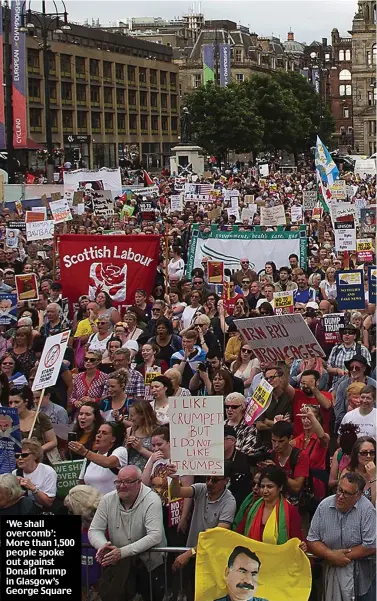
column 118, row 265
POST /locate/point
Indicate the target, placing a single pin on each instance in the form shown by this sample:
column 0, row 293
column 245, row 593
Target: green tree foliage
column 266, row 112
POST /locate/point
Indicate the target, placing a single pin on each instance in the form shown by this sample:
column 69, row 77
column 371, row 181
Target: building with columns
column 363, row 76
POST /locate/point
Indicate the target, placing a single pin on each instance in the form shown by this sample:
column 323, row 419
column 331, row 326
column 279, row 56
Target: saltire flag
column 148, row 181
column 327, row 172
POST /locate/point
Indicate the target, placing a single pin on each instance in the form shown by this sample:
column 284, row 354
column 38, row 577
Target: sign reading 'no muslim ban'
column 280, row 337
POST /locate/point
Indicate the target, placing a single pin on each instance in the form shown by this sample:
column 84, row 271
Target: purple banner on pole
column 224, row 64
column 208, row 63
column 2, row 103
column 19, row 77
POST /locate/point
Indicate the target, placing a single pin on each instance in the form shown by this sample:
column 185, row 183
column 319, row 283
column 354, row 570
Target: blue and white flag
column 327, row 171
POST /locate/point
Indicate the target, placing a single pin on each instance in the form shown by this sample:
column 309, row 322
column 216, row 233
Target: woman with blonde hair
column 235, row 406
column 245, row 367
column 83, row 500
column 175, row 378
column 38, row 479
column 12, row 499
column 328, row 285
column 114, row 406
column 139, row 435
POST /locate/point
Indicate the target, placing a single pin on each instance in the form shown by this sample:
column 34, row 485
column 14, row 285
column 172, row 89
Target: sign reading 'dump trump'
column 279, row 337
column 118, row 265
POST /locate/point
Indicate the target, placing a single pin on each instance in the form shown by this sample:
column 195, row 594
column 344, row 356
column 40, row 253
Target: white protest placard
column 264, row 170
column 68, row 196
column 277, row 338
column 345, row 236
column 296, row 214
column 339, row 190
column 365, row 167
column 40, row 210
column 234, row 202
column 40, row 230
column 197, row 434
column 309, row 200
column 176, row 202
column 60, row 211
column 233, row 212
column 248, row 213
column 272, row 216
column 103, row 203
column 51, row 360
column 351, row 191
column 229, row 194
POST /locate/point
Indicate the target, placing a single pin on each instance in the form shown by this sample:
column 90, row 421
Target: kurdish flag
column 327, row 172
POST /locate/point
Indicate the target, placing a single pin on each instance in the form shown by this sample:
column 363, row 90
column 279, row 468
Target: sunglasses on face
column 232, row 406
column 246, row 350
column 367, row 453
column 102, row 323
column 214, row 480
column 21, row 455
column 90, row 359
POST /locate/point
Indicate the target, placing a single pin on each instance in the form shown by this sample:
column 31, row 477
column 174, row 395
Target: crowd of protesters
column 311, row 453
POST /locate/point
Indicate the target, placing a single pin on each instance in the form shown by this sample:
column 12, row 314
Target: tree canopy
column 264, row 113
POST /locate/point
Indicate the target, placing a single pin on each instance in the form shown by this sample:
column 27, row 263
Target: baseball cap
column 312, row 305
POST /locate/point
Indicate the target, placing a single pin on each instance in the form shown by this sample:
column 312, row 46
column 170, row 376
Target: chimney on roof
column 324, row 41
column 291, row 36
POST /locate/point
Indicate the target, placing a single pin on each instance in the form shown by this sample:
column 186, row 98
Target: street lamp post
column 47, row 22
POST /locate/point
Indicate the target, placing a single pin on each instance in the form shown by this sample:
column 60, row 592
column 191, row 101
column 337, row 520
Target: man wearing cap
column 245, row 272
column 344, row 352
column 358, row 371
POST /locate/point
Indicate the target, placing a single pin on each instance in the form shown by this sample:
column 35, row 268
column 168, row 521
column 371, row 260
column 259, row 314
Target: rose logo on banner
column 108, row 278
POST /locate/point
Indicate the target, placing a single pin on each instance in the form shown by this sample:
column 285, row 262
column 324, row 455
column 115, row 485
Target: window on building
column 374, row 54
column 153, row 100
column 119, row 71
column 94, row 94
column 52, row 92
column 131, row 97
column 33, row 59
column 240, row 77
column 131, row 73
column 82, row 120
column 368, row 57
column 372, row 97
column 173, row 102
column 348, row 55
column 143, row 99
column 120, row 97
column 174, row 124
column 238, row 55
column 80, row 65
column 345, row 75
column 372, row 147
column 67, row 120
column 107, row 70
column 154, row 122
column 345, row 90
column 121, row 121
column 94, row 67
column 173, row 80
column 132, row 121
column 35, row 118
column 153, row 77
column 109, row 121
column 54, row 120
column 65, row 64
column 197, row 80
column 164, row 101
column 341, row 55
column 80, row 93
column 66, row 92
column 327, row 56
column 108, row 95
column 342, row 130
column 143, row 123
column 34, row 89
column 349, row 130
column 346, row 112
column 164, row 124
column 163, row 78
column 52, row 63
column 96, row 121
column 142, row 75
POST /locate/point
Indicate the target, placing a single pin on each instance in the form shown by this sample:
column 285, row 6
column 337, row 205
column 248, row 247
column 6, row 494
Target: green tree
column 224, row 119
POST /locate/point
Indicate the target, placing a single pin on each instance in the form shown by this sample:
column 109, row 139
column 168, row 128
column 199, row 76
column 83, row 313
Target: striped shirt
column 340, row 354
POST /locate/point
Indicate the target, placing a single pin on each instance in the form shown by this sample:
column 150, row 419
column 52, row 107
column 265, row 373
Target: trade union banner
column 232, row 566
column 118, row 265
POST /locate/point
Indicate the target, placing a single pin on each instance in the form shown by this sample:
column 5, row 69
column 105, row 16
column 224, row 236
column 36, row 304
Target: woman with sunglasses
column 10, row 367
column 88, row 386
column 98, row 341
column 235, row 406
column 265, row 309
column 22, row 399
column 39, row 480
column 245, row 367
column 101, row 465
column 363, row 457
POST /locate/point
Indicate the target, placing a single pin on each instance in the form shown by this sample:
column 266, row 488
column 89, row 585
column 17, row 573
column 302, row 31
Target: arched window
column 374, row 54
column 348, row 55
column 345, row 75
column 341, row 55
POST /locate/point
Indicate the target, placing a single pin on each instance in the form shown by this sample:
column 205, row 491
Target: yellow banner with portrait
column 230, row 566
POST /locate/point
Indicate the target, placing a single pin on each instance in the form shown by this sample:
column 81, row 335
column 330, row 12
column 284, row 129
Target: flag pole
column 37, row 413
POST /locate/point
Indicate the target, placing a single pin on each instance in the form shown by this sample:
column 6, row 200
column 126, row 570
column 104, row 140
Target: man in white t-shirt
column 365, row 415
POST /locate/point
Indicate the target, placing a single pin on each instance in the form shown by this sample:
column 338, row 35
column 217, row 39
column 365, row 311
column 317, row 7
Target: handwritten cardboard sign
column 40, row 230
column 272, row 216
column 197, row 434
column 277, row 338
column 60, row 211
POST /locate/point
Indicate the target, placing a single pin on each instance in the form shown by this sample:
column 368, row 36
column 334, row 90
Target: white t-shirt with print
column 367, row 423
column 102, row 478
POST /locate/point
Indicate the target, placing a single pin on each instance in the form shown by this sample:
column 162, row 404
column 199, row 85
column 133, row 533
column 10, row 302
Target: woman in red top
column 314, row 442
column 271, row 519
column 89, row 385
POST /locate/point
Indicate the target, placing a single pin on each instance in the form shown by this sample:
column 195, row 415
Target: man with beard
column 241, row 575
column 309, row 394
